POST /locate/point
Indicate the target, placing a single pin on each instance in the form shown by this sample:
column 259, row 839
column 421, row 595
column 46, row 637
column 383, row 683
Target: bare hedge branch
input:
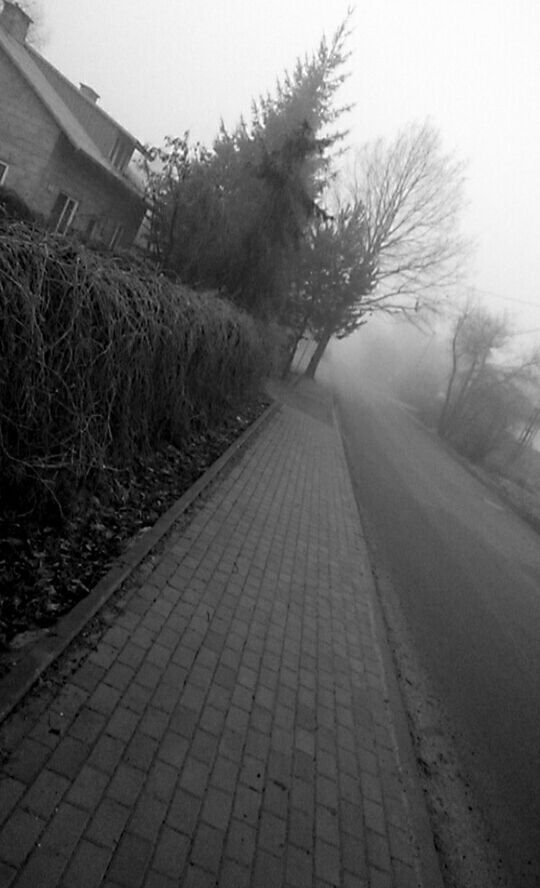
column 99, row 361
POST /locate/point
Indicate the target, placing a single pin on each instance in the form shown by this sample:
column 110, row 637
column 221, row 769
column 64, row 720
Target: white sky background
column 473, row 66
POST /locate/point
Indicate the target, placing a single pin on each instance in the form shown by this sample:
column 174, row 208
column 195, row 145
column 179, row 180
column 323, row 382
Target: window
column 120, row 154
column 92, row 229
column 3, row 172
column 117, row 236
column 63, row 213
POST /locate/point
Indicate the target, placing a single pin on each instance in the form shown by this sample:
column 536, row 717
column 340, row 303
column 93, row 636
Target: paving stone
column 173, row 750
column 154, row 722
column 247, row 804
column 184, row 812
column 195, row 777
column 122, row 723
column 159, row 880
column 106, row 754
column 104, row 699
column 161, row 781
column 327, row 862
column 87, row 726
column 207, row 848
column 299, row 872
column 234, row 875
column 27, row 760
column 108, row 823
column 268, row 871
column 87, row 867
column 11, row 791
column 141, row 751
column 64, row 830
column 217, row 808
column 171, row 853
column 43, row 869
column 196, row 877
column 19, row 836
column 88, row 788
column 126, row 785
column 272, row 831
column 136, row 697
column 7, row 875
column 148, row 817
column 130, row 859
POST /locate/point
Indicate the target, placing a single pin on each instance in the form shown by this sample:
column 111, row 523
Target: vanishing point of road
column 467, row 573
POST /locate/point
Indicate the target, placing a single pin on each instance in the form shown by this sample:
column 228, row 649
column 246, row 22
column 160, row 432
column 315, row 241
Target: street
column 467, row 573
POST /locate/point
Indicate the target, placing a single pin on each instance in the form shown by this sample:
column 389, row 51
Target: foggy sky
column 472, row 66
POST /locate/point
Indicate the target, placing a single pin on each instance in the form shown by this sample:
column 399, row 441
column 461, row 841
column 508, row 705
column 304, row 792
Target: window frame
column 120, row 153
column 117, row 235
column 65, row 219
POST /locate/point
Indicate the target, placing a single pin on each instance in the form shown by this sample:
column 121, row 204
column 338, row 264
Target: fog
column 392, row 358
column 386, row 353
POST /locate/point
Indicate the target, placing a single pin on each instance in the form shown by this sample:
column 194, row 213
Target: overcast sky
column 472, row 66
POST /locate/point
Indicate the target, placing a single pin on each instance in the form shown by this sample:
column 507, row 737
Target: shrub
column 100, row 362
column 13, row 207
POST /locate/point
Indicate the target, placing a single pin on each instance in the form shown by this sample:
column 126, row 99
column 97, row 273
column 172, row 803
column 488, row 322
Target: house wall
column 42, row 163
column 101, row 200
column 28, row 136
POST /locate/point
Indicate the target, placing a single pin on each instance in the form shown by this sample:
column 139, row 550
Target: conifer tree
column 233, row 217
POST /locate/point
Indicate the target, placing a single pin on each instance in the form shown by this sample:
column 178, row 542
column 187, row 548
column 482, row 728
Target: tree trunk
column 291, row 354
column 318, row 353
column 443, row 418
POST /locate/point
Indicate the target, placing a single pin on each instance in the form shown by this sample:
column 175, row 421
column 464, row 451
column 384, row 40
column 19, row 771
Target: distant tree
column 486, row 398
column 233, row 217
column 405, row 199
column 528, row 432
column 476, row 335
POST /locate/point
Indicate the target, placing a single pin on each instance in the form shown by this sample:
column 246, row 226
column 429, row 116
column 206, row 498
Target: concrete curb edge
column 430, row 867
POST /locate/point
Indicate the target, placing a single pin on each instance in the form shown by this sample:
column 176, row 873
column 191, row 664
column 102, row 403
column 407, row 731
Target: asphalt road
column 467, row 572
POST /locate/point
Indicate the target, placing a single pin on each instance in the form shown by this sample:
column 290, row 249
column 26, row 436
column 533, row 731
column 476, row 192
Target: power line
column 526, row 332
column 506, row 298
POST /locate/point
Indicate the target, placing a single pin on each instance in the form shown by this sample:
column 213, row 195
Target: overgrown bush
column 13, row 207
column 100, row 362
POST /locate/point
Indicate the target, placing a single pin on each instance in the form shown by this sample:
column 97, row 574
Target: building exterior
column 59, row 151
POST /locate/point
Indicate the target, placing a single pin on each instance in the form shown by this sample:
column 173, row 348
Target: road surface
column 467, row 572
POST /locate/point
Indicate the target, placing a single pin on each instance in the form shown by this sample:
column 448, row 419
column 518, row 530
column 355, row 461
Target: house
column 59, row 151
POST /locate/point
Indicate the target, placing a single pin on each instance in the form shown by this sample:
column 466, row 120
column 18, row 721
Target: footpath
column 234, row 725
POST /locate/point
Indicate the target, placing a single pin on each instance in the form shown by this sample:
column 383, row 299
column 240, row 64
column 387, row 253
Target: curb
column 27, row 670
column 430, row 869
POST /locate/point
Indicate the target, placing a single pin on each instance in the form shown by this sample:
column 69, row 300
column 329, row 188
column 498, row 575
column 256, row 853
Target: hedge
column 101, row 360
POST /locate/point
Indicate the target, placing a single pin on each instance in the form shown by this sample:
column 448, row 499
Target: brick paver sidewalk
column 232, row 727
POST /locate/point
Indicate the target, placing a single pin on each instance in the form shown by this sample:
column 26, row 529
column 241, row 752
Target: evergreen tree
column 233, row 218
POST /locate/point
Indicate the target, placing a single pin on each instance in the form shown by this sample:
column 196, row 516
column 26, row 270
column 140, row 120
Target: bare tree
column 476, row 334
column 412, row 195
column 406, row 197
column 487, row 397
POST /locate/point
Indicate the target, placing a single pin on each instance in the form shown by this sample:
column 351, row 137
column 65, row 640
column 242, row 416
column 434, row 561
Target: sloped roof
column 77, row 101
column 66, row 120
